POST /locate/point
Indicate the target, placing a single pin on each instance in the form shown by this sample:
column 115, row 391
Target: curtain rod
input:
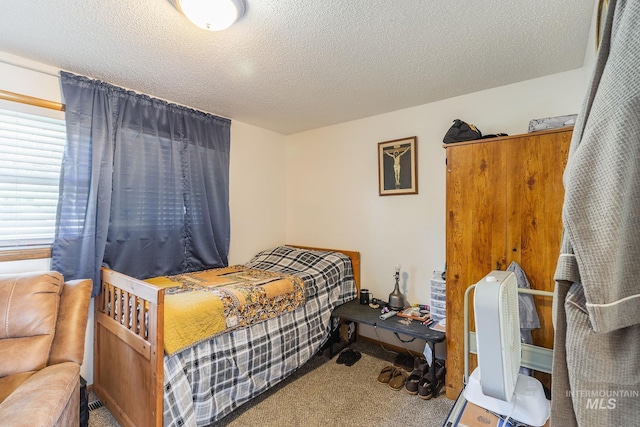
column 25, row 99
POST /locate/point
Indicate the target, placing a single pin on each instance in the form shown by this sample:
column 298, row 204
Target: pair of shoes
column 348, row 357
column 392, row 376
column 426, row 389
column 421, row 368
column 342, row 357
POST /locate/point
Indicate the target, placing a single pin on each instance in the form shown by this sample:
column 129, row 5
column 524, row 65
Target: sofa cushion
column 28, row 313
column 50, row 397
column 11, row 382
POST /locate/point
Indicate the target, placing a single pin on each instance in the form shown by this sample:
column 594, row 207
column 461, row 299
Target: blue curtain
column 144, row 187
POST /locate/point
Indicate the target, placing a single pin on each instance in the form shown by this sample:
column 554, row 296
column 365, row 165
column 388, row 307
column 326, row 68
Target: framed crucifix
column 397, row 167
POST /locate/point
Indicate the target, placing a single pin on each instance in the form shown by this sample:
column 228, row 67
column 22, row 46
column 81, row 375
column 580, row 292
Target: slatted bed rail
column 128, row 353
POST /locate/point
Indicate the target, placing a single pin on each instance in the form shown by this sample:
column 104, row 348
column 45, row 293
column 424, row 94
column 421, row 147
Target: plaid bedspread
column 209, row 380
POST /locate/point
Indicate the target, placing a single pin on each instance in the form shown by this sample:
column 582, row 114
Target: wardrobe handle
column 497, row 265
column 514, row 249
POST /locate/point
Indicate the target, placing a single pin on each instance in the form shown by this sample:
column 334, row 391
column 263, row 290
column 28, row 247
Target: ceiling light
column 212, row 15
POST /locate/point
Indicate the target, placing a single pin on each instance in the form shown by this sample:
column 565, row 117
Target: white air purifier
column 496, row 384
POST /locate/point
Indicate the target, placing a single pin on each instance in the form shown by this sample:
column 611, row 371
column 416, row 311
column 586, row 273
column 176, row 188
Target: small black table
column 353, row 311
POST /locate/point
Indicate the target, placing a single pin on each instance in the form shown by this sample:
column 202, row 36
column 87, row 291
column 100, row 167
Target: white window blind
column 31, row 148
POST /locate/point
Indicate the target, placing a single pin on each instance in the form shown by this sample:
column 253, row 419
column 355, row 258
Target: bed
column 142, row 385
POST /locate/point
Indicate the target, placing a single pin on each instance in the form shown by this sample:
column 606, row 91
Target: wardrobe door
column 535, row 196
column 475, row 236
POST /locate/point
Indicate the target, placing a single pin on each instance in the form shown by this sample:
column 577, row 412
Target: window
column 31, row 147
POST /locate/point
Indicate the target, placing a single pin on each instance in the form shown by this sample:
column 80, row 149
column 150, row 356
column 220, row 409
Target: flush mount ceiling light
column 212, row 15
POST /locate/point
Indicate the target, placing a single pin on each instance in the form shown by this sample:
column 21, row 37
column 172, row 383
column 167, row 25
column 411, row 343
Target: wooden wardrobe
column 504, row 204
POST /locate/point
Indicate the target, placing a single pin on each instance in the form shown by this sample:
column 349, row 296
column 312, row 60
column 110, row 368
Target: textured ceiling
column 294, row 65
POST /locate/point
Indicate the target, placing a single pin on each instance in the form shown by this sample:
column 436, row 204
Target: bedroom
column 296, row 175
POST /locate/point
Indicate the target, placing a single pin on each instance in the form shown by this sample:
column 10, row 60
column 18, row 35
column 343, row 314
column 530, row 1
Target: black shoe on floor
column 353, row 358
column 404, row 361
column 345, row 356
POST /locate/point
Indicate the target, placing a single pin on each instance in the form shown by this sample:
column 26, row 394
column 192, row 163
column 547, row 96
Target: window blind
column 31, row 148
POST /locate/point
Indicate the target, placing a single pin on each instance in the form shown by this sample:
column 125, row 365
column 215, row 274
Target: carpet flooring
column 329, row 394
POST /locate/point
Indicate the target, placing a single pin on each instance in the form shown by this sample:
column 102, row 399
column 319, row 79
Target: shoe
column 420, row 364
column 398, row 380
column 421, row 369
column 441, row 371
column 385, row 375
column 412, row 383
column 425, row 388
column 404, row 361
column 353, row 358
column 344, row 356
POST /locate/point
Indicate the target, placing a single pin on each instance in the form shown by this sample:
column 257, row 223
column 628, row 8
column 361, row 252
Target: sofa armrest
column 50, row 397
column 68, row 341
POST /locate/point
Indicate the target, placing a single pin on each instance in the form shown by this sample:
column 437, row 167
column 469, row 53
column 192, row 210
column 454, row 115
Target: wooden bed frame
column 128, row 347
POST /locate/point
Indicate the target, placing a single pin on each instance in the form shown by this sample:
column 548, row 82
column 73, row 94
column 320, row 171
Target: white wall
column 332, row 175
column 257, row 191
column 28, row 77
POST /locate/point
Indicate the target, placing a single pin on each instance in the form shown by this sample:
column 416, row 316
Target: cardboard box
column 475, row 416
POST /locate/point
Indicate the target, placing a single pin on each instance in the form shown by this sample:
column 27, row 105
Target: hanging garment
column 528, row 315
column 596, row 313
column 527, row 309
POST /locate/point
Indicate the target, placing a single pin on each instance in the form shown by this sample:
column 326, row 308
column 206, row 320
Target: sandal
column 440, row 371
column 414, row 378
column 386, row 374
column 412, row 383
column 398, row 379
column 425, row 388
column 440, row 377
column 420, row 364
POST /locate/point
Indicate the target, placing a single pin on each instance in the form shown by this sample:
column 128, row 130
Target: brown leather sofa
column 43, row 321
